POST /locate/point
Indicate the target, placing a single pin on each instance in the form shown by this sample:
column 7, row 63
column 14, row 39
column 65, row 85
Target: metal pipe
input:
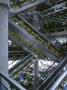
column 58, row 81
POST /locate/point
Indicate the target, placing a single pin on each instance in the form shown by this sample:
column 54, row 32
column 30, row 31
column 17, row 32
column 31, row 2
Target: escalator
column 53, row 73
column 61, row 82
column 19, row 35
column 28, row 26
column 46, row 84
column 42, row 39
column 26, row 40
column 53, row 17
column 25, row 34
column 41, row 45
column 13, row 71
column 16, row 52
column 27, row 19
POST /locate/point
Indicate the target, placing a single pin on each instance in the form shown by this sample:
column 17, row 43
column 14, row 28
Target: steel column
column 35, row 62
column 4, row 36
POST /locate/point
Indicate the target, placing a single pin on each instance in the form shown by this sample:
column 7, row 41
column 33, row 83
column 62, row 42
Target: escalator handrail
column 59, row 80
column 11, row 81
column 20, row 62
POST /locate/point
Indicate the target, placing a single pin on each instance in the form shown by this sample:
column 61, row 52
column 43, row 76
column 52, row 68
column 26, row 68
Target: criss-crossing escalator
column 23, row 31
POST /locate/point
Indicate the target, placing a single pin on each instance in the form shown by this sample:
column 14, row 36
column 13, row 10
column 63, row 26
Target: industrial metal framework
column 35, row 27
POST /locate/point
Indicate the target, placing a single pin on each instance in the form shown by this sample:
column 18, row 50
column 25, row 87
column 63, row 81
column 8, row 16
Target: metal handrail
column 11, row 63
column 11, row 81
column 59, row 80
column 15, row 61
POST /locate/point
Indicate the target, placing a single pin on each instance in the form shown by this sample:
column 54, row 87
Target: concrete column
column 4, row 36
column 35, row 62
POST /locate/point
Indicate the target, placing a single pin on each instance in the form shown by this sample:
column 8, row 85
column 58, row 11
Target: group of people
column 25, row 79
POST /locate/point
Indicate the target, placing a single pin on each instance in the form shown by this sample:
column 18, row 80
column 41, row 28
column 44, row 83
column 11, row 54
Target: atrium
column 33, row 44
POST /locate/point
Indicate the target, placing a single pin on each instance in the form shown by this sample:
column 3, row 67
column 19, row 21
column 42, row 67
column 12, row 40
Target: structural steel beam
column 26, row 7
